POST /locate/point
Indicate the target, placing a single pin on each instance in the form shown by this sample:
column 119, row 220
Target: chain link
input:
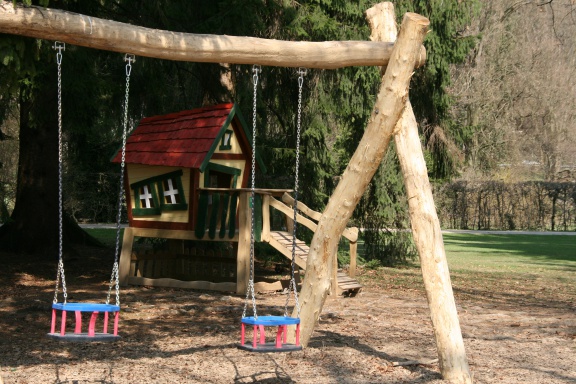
column 114, row 279
column 60, row 274
column 293, row 287
column 256, row 69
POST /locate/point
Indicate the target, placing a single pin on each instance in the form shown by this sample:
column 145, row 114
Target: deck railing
column 225, row 214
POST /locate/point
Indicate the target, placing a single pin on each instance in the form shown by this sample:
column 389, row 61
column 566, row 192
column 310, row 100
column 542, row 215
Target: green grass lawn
column 481, row 263
column 509, row 252
column 105, row 235
column 539, row 267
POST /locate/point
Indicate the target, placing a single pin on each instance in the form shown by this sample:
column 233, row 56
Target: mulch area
column 183, row 336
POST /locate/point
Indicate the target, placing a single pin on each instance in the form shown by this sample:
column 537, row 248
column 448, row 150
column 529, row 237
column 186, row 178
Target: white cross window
column 171, row 195
column 146, row 198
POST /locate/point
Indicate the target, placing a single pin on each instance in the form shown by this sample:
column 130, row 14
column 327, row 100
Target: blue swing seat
column 259, row 344
column 78, row 309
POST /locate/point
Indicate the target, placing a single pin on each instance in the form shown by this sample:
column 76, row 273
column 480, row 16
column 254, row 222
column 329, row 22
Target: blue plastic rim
column 86, row 307
column 271, row 320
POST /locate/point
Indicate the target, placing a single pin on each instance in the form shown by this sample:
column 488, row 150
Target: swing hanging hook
column 256, row 69
column 301, row 73
column 130, row 58
column 58, row 45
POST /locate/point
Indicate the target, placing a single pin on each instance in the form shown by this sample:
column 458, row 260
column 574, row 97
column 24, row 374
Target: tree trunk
column 425, row 225
column 363, row 164
column 34, row 220
column 33, row 225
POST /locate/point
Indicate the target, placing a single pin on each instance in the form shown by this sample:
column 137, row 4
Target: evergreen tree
column 384, row 206
column 448, row 43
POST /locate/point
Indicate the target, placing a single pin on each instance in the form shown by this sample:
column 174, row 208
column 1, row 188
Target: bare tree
column 517, row 90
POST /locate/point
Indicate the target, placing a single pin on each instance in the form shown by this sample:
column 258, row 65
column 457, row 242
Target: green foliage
column 336, row 104
column 384, row 215
column 447, row 43
column 372, row 264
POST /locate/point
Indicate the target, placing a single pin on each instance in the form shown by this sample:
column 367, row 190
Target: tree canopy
column 336, row 103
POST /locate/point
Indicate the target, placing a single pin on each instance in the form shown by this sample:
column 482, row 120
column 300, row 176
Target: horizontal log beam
column 86, row 31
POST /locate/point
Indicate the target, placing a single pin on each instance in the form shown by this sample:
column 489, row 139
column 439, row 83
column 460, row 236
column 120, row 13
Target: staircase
column 282, row 241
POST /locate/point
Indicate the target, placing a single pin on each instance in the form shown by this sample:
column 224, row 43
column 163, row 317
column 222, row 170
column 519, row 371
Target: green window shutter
column 171, row 191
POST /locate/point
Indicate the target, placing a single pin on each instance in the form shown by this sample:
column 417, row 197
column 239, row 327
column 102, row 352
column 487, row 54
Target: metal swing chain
column 60, row 274
column 293, row 287
column 114, row 279
column 256, row 69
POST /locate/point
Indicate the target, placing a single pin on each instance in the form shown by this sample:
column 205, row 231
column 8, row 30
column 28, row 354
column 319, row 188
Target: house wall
column 139, row 172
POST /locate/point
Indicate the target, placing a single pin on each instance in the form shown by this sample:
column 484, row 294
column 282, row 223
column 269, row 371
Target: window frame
column 229, row 133
column 176, row 183
column 155, row 185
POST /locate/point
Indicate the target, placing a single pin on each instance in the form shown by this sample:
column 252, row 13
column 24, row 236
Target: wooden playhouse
column 186, row 179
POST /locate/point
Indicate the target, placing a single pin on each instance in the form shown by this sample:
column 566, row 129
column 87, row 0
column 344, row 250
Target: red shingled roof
column 181, row 139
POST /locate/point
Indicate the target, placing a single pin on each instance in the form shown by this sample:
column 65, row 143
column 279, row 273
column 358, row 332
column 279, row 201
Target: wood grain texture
column 425, row 225
column 388, row 108
column 82, row 30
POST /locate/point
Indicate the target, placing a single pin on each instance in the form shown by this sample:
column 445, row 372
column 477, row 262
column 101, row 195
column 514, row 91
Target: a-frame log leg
column 363, row 165
column 425, row 225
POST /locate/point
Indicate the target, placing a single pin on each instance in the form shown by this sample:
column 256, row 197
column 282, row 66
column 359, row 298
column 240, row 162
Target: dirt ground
column 179, row 336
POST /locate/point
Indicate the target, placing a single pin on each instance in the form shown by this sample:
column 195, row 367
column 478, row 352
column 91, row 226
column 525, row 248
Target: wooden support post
column 364, row 163
column 125, row 256
column 266, row 217
column 353, row 255
column 334, row 279
column 243, row 261
column 425, row 225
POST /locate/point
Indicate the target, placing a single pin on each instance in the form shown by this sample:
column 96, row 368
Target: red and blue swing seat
column 78, row 309
column 259, row 344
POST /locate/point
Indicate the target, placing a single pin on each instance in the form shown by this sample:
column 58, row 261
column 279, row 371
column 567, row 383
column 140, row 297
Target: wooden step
column 282, row 241
column 348, row 285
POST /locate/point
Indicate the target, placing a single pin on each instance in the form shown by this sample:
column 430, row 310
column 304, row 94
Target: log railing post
column 125, row 256
column 266, row 217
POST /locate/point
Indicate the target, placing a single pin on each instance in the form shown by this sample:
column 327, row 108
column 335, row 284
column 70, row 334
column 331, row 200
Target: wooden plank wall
column 192, row 265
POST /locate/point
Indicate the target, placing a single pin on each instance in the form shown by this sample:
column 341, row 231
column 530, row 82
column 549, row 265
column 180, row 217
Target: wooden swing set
column 392, row 117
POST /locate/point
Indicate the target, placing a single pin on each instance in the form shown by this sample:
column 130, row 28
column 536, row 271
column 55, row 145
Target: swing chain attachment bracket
column 130, row 58
column 301, row 72
column 256, row 70
column 59, row 46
